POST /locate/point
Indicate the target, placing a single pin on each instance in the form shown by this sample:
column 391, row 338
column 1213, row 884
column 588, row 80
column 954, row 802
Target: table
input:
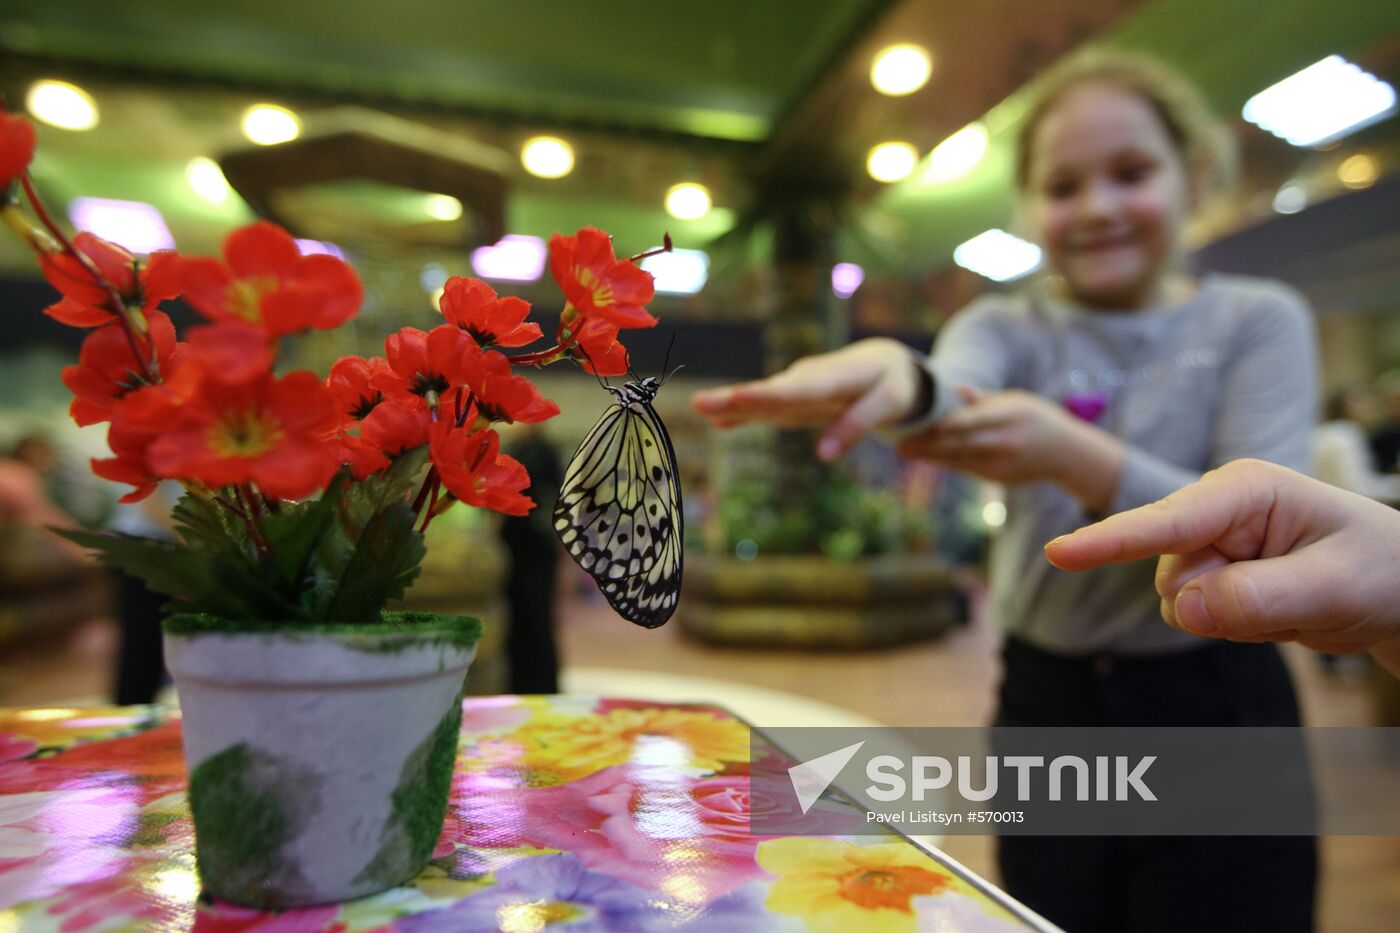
column 567, row 813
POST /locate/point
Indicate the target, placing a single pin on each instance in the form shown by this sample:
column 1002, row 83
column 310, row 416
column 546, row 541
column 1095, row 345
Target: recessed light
column 270, row 124
column 688, row 201
column 547, row 157
column 61, row 104
column 890, row 162
column 900, row 69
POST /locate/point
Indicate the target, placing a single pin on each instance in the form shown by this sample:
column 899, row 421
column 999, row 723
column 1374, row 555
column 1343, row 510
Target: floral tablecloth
column 567, row 813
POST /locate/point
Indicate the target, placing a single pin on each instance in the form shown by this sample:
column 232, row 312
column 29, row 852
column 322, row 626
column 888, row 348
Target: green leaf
column 294, row 533
column 384, row 561
column 206, row 527
column 374, row 519
column 201, row 581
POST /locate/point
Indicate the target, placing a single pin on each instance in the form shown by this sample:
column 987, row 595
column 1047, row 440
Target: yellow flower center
column 892, row 886
column 244, row 433
column 602, row 291
column 533, row 916
column 244, row 297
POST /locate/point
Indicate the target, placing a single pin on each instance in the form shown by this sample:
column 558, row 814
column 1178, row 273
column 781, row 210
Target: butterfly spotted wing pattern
column 619, row 510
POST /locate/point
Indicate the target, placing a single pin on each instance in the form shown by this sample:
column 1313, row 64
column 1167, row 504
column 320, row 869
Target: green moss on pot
column 240, row 800
column 419, row 804
column 396, row 631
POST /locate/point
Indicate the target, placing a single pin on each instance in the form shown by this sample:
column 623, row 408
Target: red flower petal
column 16, row 147
column 232, row 353
column 79, row 314
column 261, row 249
column 296, row 468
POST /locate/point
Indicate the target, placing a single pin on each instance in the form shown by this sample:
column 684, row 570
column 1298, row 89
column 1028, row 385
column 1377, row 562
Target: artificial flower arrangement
column 304, row 508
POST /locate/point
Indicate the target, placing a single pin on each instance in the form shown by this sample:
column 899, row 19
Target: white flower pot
column 319, row 759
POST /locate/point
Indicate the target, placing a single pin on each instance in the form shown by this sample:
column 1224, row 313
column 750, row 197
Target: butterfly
column 619, row 508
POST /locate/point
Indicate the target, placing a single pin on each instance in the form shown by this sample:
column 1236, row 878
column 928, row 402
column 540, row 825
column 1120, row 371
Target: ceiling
column 734, row 94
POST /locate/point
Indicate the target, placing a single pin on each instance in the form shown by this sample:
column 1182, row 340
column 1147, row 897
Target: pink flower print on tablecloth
column 651, row 828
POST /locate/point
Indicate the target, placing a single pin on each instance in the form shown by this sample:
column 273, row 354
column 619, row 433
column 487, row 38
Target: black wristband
column 923, row 395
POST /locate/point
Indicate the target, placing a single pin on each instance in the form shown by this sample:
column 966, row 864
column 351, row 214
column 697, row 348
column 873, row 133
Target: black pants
column 1171, row 883
column 530, row 646
column 140, row 661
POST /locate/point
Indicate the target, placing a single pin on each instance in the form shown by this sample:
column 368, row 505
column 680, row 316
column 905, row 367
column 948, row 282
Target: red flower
column 129, row 444
column 434, row 362
column 501, row 396
column 472, row 305
column 363, row 458
column 396, row 426
column 16, row 147
column 474, row 470
column 352, row 381
column 231, row 353
column 598, row 349
column 597, row 283
column 265, row 281
column 86, row 302
column 269, row 432
column 106, row 370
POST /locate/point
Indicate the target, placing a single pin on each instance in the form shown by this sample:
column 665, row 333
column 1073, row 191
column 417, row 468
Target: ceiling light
column 513, row 258
column 889, row 162
column 319, row 248
column 207, row 179
column 61, row 104
column 998, row 255
column 1358, row 171
column 135, row 225
column 269, row 124
column 957, row 155
column 688, row 201
column 900, row 69
column 1291, row 199
column 846, row 277
column 679, row 272
column 547, row 157
column 442, row 207
column 1321, row 103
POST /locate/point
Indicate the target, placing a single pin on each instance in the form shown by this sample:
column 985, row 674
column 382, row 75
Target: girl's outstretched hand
column 1017, row 437
column 850, row 392
column 1256, row 552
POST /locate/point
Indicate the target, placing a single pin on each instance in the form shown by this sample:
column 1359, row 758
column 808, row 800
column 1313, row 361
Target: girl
column 1114, row 382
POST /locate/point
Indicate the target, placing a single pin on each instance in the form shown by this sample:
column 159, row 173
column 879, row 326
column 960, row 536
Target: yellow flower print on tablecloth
column 571, row 747
column 838, row 886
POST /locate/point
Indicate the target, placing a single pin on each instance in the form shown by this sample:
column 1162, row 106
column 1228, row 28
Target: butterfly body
column 619, row 510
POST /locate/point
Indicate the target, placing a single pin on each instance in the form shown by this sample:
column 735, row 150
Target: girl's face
column 1107, row 195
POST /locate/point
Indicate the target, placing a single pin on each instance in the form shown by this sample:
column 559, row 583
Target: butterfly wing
column 619, row 513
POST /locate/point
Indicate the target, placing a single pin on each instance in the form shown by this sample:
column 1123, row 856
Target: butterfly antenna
column 667, row 361
column 601, row 381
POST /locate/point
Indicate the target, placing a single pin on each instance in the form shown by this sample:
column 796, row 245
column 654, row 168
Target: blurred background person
column 531, row 648
column 1342, row 454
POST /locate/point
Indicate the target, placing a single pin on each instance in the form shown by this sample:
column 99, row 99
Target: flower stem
column 147, row 364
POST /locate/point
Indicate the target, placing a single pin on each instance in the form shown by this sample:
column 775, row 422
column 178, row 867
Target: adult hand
column 850, row 392
column 1256, row 552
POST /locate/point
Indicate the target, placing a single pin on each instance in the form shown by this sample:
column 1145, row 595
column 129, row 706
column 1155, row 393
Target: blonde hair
column 1206, row 147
